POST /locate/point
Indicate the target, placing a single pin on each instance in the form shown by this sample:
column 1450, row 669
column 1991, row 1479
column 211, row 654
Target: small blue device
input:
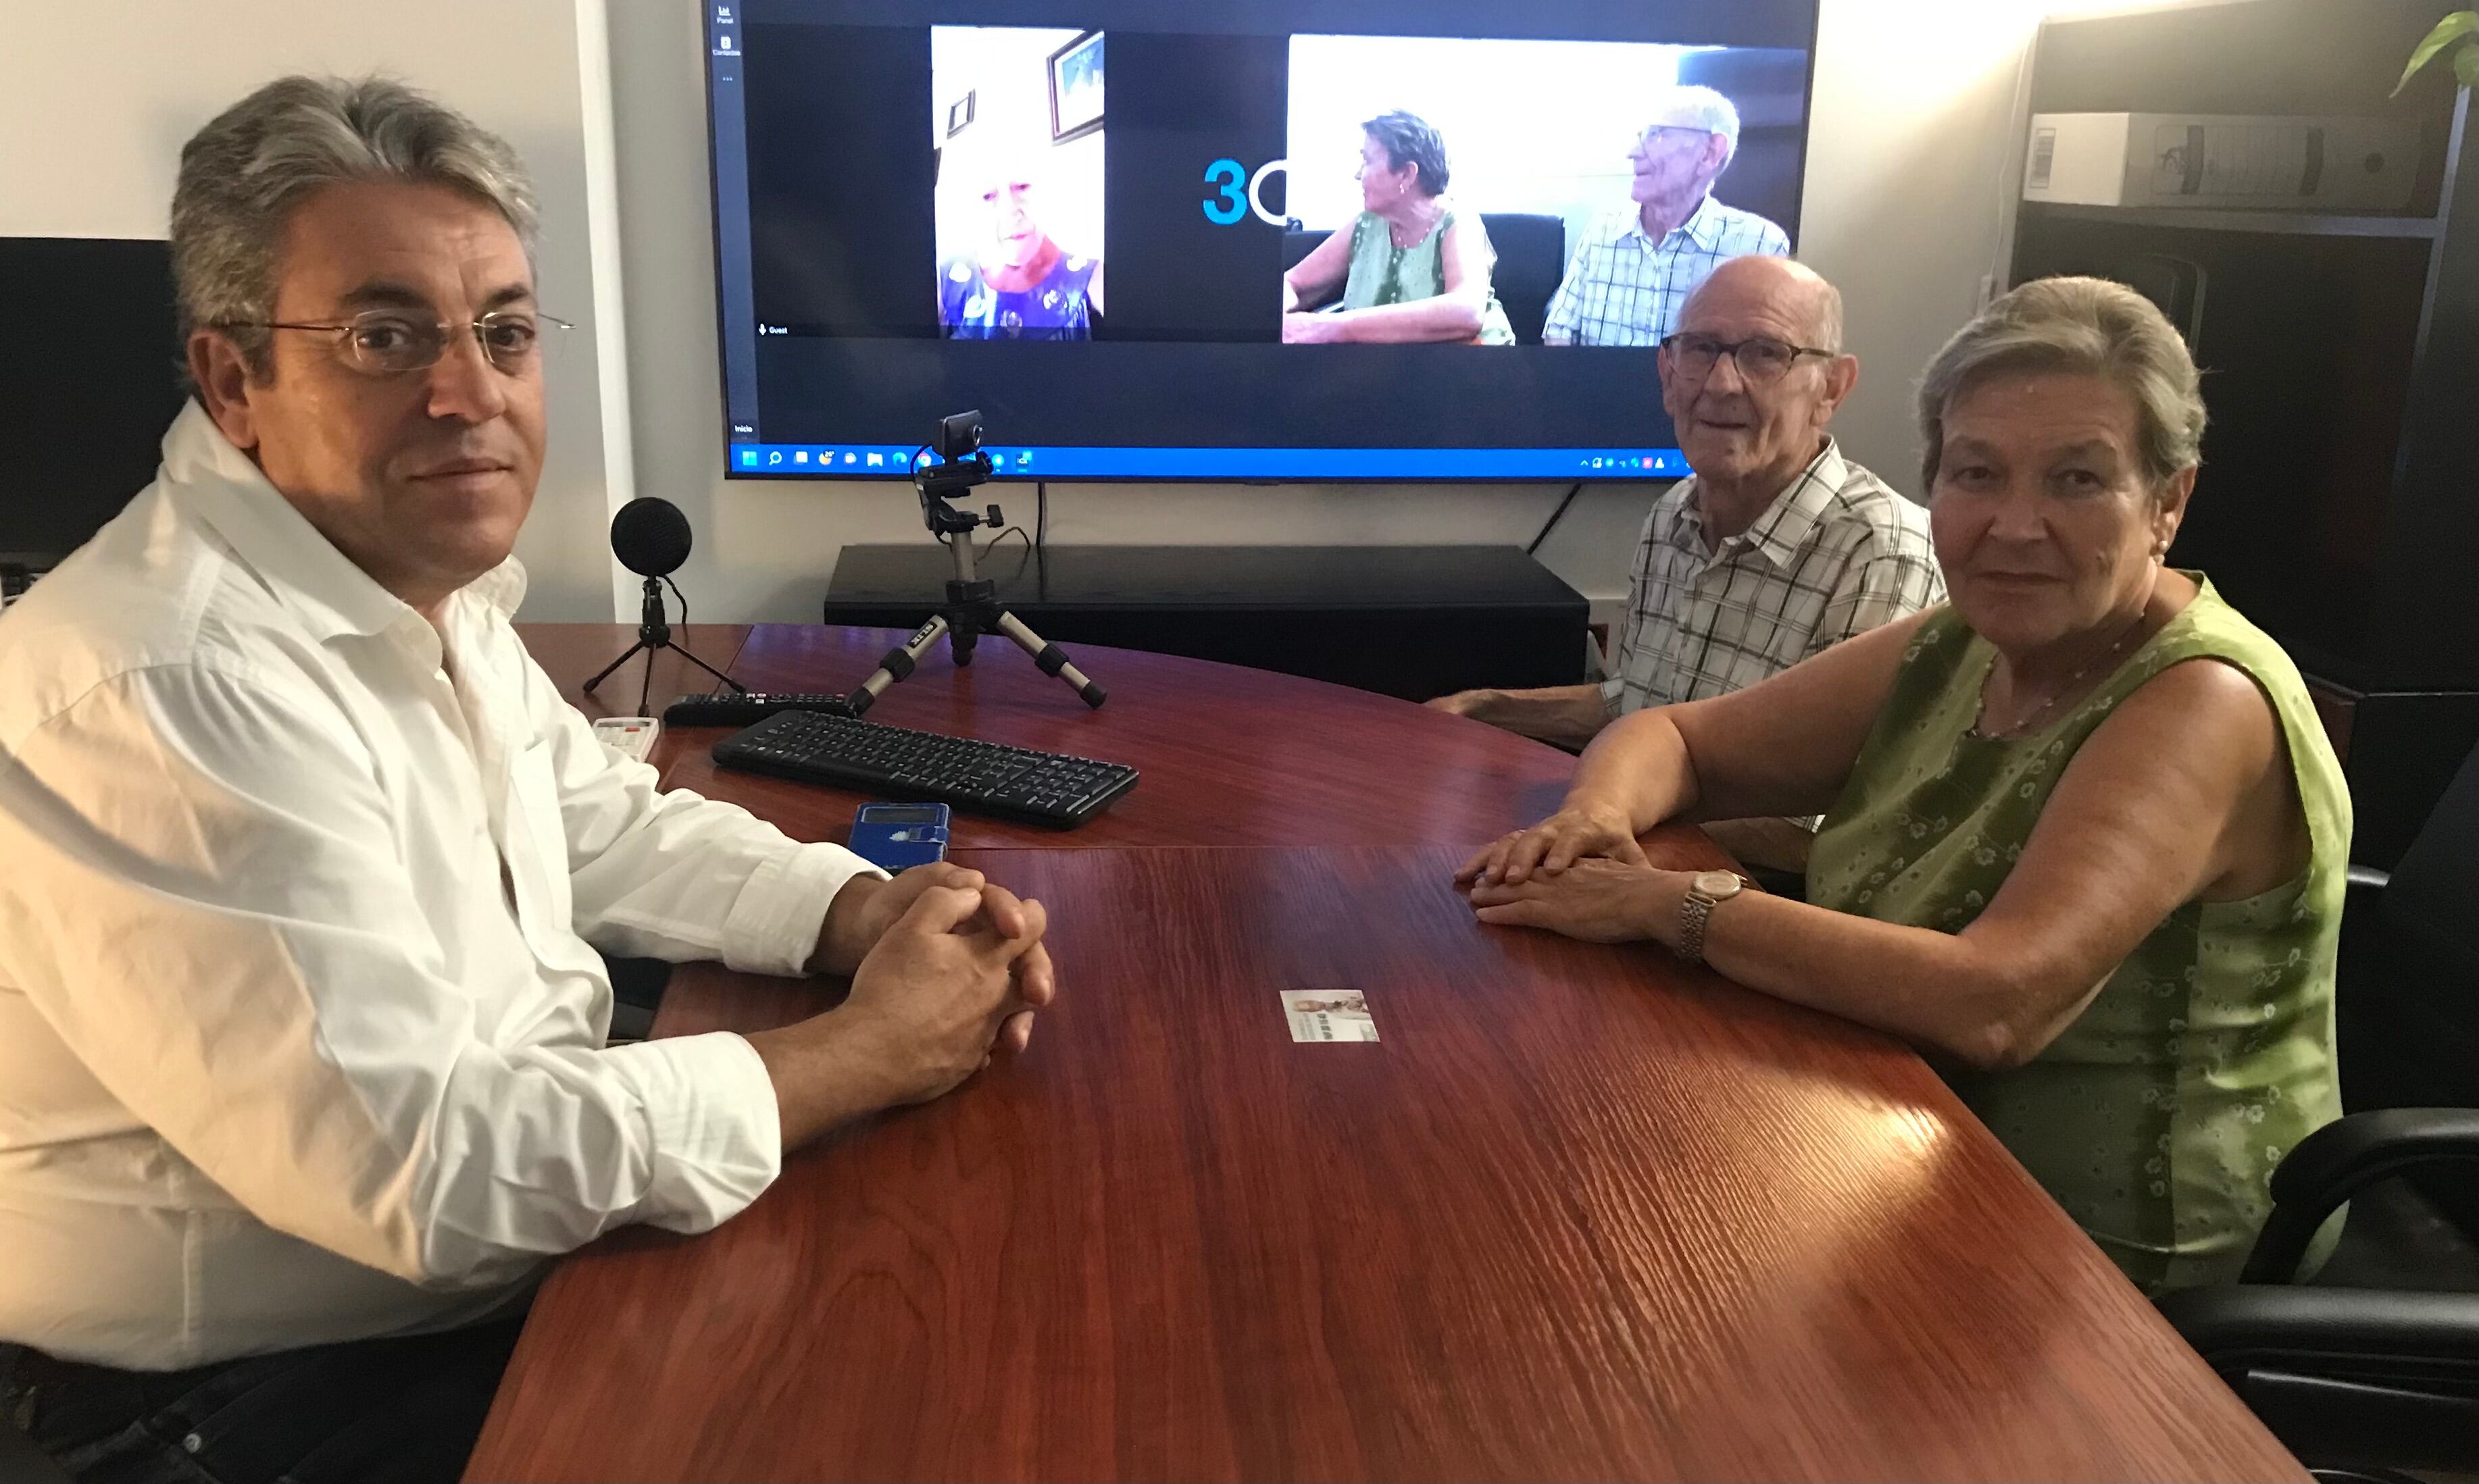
column 896, row 837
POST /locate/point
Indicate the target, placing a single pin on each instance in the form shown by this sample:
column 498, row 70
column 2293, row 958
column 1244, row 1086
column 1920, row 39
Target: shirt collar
column 1704, row 225
column 1787, row 523
column 224, row 488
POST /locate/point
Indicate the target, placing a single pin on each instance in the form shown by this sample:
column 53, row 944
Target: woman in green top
column 2084, row 840
column 1411, row 267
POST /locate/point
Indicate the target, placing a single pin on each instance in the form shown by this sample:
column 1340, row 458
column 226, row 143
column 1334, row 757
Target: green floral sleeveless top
column 1383, row 273
column 2157, row 1117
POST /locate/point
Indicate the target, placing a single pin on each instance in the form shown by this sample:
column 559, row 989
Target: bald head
column 1750, row 379
column 1779, row 288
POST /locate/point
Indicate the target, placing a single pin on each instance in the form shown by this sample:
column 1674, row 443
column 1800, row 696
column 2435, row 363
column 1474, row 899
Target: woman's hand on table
column 1575, row 833
column 1596, row 900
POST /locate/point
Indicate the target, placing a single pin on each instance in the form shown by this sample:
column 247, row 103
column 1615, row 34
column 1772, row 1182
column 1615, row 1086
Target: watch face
column 1717, row 884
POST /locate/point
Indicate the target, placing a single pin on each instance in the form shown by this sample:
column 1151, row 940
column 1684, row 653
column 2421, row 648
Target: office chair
column 1531, row 259
column 2374, row 1369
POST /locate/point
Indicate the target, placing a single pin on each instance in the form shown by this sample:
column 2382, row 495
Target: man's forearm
column 845, row 935
column 1565, row 715
column 824, row 1076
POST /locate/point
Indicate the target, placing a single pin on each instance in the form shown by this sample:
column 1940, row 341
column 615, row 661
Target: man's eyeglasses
column 1652, row 132
column 390, row 342
column 1762, row 359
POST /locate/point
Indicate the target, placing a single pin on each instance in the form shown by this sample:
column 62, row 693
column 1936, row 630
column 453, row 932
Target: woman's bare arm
column 1783, row 746
column 2185, row 792
column 1315, row 279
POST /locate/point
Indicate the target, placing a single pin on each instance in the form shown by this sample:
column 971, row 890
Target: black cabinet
column 1411, row 622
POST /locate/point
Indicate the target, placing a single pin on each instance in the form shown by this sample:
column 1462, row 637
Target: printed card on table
column 1329, row 1014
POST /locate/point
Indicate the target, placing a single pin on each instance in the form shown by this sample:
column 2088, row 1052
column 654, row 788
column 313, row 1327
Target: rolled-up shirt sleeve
column 208, row 898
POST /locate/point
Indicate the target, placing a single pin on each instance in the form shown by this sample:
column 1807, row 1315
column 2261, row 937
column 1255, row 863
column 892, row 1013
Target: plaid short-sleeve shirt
column 1836, row 554
column 1623, row 288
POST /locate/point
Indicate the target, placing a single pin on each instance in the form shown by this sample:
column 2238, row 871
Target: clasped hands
column 1578, row 872
column 945, row 964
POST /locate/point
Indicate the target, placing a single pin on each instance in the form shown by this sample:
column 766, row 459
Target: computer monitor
column 88, row 381
column 1077, row 218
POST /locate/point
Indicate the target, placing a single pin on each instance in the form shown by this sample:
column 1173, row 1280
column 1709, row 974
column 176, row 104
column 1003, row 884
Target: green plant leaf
column 2459, row 25
column 2466, row 64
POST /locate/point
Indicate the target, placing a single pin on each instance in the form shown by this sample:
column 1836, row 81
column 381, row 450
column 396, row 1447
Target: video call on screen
column 1077, row 219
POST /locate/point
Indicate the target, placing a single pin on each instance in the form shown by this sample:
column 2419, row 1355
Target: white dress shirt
column 1623, row 288
column 301, row 1039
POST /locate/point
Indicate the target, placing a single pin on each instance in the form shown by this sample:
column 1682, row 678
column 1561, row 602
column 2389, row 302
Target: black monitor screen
column 90, row 378
column 1383, row 239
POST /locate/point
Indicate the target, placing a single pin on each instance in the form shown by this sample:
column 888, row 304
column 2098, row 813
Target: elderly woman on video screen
column 1019, row 285
column 1411, row 268
column 2084, row 839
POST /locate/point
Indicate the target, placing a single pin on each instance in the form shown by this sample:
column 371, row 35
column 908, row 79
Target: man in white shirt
column 1775, row 547
column 1632, row 274
column 303, row 1072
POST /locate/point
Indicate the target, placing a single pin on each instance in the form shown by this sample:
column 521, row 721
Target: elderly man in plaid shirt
column 1776, row 548
column 1635, row 267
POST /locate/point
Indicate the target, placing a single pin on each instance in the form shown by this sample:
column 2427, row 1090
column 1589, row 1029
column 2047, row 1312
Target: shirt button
column 193, row 1443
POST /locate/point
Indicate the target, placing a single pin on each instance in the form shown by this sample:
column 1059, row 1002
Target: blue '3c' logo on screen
column 1230, row 202
column 1237, row 193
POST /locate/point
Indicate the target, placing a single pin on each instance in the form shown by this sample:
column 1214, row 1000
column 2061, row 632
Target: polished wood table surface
column 1582, row 1213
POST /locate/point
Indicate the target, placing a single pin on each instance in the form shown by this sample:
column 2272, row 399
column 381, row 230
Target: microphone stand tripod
column 655, row 633
column 972, row 607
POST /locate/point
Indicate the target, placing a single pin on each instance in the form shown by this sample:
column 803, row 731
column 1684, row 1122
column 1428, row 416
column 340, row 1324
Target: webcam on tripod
column 960, row 437
column 972, row 607
column 960, row 465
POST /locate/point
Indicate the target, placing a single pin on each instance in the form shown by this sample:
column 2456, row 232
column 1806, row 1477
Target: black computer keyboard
column 1046, row 788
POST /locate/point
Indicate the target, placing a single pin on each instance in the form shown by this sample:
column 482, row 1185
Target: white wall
column 97, row 97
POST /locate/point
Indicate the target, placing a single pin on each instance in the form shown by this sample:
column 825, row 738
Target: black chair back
column 2408, row 999
column 1531, row 259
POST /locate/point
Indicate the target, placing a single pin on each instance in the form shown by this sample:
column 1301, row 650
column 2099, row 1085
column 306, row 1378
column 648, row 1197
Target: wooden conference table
column 1582, row 1212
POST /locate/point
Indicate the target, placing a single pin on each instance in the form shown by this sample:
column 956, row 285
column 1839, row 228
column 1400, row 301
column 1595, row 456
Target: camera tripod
column 972, row 608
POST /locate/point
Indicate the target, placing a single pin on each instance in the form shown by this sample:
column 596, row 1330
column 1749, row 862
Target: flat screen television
column 1077, row 217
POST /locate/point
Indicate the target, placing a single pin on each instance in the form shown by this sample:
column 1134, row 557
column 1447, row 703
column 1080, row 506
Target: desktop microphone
column 651, row 536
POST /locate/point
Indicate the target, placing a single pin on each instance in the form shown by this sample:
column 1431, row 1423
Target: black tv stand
column 1411, row 622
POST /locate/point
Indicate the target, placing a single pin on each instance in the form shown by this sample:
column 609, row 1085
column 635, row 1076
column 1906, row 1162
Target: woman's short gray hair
column 1408, row 139
column 244, row 174
column 2086, row 325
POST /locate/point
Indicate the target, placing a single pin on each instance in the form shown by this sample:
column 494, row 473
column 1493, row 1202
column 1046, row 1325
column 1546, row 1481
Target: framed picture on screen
column 1075, row 88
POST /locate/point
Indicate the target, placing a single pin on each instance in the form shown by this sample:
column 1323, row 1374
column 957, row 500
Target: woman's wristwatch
column 1706, row 890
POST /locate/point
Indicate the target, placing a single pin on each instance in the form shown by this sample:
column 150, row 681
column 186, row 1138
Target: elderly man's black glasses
column 389, row 343
column 1762, row 359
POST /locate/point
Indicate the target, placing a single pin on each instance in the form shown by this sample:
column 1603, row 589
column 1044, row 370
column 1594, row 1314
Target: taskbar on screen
column 885, row 461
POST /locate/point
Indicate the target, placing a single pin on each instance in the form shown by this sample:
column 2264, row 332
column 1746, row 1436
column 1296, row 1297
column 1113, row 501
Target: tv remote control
column 749, row 707
column 630, row 737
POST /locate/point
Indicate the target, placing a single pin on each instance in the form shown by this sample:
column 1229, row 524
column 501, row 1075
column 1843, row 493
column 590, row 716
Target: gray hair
column 1695, row 107
column 2088, row 326
column 244, row 173
column 1408, row 139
